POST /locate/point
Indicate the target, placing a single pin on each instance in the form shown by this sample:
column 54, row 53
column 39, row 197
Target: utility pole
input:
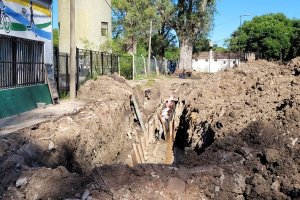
column 145, row 69
column 210, row 56
column 72, row 51
column 245, row 15
column 149, row 48
column 133, row 66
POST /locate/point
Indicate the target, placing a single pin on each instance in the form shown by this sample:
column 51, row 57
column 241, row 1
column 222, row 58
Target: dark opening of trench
column 204, row 132
column 182, row 137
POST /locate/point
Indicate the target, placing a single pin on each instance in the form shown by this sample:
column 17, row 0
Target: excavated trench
column 58, row 144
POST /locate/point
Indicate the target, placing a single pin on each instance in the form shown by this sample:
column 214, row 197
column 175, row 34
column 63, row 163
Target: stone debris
column 85, row 195
column 21, row 182
column 175, row 185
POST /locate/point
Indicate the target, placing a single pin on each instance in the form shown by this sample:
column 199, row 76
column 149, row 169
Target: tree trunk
column 186, row 52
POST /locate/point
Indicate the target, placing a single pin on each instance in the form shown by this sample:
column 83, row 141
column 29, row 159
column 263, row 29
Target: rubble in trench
column 237, row 137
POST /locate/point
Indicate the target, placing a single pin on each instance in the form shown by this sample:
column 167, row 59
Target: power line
column 216, row 41
column 109, row 6
column 225, row 23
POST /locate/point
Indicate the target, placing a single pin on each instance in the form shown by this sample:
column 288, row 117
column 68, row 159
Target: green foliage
column 192, row 19
column 201, row 44
column 115, row 45
column 64, row 95
column 172, row 53
column 271, row 35
column 163, row 40
column 131, row 24
column 142, row 49
column 56, row 37
column 220, row 49
column 126, row 66
column 132, row 18
column 89, row 45
column 295, row 40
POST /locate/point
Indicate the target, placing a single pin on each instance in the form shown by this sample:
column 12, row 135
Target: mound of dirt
column 245, row 120
column 237, row 138
column 295, row 64
column 100, row 133
column 104, row 86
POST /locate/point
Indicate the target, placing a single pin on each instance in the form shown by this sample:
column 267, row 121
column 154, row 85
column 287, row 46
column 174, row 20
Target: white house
column 214, row 61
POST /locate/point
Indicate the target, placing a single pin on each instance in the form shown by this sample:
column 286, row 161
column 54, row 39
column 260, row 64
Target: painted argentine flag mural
column 30, row 19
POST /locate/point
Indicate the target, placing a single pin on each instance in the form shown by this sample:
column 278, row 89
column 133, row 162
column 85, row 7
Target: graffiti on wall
column 30, row 19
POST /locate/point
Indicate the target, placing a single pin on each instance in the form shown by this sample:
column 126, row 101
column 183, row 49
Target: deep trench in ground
column 182, row 142
column 183, row 139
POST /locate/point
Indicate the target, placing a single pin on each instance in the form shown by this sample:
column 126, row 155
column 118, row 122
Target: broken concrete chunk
column 51, row 146
column 21, row 182
column 173, row 168
column 85, row 194
column 154, row 175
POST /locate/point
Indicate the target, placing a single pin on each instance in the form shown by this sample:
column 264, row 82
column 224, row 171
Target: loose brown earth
column 237, row 138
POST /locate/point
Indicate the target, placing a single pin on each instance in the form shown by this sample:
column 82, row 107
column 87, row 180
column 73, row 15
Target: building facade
column 93, row 24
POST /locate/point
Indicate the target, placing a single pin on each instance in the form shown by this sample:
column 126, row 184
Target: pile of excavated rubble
column 237, row 138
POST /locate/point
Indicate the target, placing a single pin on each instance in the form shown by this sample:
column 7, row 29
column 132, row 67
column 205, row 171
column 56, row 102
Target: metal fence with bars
column 89, row 65
column 21, row 62
column 95, row 63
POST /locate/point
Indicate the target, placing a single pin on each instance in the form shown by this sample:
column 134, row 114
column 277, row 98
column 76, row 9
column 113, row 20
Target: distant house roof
column 216, row 55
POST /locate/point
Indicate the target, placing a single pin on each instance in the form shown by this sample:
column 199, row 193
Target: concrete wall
column 89, row 15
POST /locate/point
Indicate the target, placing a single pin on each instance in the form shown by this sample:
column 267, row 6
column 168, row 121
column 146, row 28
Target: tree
column 201, row 44
column 172, row 53
column 191, row 19
column 295, row 40
column 56, row 37
column 162, row 41
column 131, row 20
column 267, row 34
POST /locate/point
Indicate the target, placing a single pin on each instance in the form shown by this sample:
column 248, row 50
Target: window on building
column 224, row 62
column 206, row 60
column 234, row 62
column 104, row 28
column 216, row 60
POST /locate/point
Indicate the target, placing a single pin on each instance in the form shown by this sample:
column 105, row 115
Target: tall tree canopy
column 131, row 20
column 272, row 35
column 192, row 20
